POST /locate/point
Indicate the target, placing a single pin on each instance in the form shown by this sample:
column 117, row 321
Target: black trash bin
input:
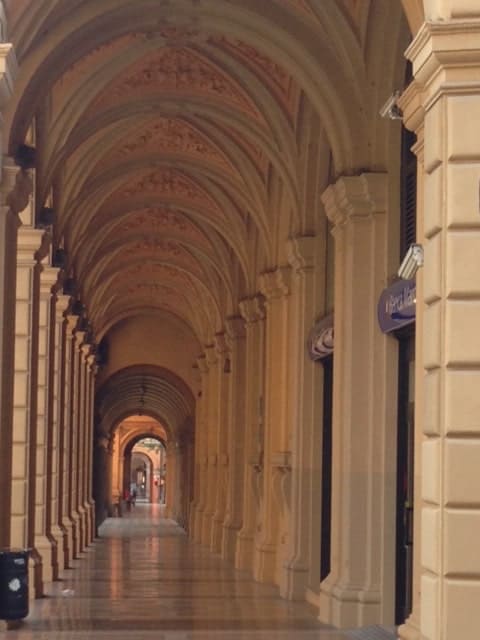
column 13, row 584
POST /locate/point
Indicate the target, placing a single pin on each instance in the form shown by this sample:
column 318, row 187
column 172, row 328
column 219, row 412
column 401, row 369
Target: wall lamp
column 391, row 109
column 411, row 263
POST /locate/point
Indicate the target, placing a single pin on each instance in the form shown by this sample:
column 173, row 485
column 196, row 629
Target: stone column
column 253, row 312
column 305, row 473
column 90, row 505
column 201, row 450
column 56, row 430
column 66, row 453
column 78, row 512
column 100, row 485
column 363, row 454
column 45, row 542
column 446, row 65
column 13, row 198
column 85, row 443
column 211, row 424
column 223, row 399
column 235, row 422
column 275, row 286
column 24, row 462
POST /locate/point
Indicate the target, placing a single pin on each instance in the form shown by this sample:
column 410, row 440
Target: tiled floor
column 145, row 580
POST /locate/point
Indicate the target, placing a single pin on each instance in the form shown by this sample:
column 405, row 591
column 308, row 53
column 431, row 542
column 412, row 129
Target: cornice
column 252, row 309
column 355, row 197
column 301, row 252
column 276, row 284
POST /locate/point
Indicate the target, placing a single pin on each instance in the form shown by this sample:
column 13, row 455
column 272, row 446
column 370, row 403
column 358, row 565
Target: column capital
column 235, row 328
column 252, row 309
column 79, row 339
column 29, row 241
column 221, row 345
column 276, row 284
column 450, row 46
column 8, row 71
column 48, row 279
column 202, row 364
column 61, row 305
column 355, row 196
column 72, row 321
column 301, row 252
column 16, row 187
column 211, row 355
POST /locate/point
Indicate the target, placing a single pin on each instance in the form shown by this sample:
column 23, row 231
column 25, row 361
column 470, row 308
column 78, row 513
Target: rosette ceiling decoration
column 180, row 141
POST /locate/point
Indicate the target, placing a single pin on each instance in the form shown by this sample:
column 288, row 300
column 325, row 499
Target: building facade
column 203, row 214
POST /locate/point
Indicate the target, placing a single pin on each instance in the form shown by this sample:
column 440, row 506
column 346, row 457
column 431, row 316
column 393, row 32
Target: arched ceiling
column 148, row 391
column 168, row 144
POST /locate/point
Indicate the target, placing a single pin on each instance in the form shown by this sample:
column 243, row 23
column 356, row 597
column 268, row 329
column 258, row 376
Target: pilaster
column 201, row 450
column 69, row 444
column 211, row 424
column 235, row 424
column 361, row 583
column 275, row 286
column 300, row 481
column 45, row 542
column 60, row 304
column 223, row 401
column 24, row 462
column 446, row 65
column 253, row 313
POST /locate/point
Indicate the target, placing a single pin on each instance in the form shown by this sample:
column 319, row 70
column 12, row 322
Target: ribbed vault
column 149, row 391
column 181, row 144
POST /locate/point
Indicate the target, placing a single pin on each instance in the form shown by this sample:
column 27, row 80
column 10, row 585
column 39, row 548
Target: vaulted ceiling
column 172, row 139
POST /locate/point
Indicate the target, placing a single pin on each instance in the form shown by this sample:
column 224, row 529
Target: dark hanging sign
column 396, row 306
column 320, row 340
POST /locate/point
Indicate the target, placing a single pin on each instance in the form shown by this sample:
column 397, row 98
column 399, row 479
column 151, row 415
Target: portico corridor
column 143, row 578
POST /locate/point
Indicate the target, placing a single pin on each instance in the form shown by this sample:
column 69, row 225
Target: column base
column 91, row 507
column 207, row 528
column 293, row 581
column 35, row 570
column 81, row 515
column 265, row 563
column 58, row 536
column 217, row 535
column 346, row 606
column 197, row 529
column 409, row 630
column 244, row 551
column 45, row 548
column 229, row 542
column 70, row 549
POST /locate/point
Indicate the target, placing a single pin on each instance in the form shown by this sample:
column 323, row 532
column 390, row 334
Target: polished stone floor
column 143, row 579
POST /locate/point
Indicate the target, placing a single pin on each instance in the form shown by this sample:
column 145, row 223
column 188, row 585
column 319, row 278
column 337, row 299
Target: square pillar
column 360, row 586
column 446, row 65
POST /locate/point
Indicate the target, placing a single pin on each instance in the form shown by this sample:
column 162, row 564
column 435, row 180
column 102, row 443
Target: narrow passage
column 145, row 579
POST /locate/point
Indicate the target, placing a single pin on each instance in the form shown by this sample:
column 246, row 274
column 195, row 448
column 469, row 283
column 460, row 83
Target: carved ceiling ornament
column 177, row 70
column 275, row 76
column 167, row 183
column 170, row 135
column 164, row 220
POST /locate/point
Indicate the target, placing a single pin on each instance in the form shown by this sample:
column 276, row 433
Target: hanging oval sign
column 321, row 339
column 396, row 306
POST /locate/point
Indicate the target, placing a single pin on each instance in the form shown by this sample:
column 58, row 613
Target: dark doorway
column 405, row 476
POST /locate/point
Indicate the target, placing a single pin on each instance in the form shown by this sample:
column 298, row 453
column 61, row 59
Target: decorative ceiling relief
column 171, row 135
column 278, row 80
column 167, row 183
column 174, row 70
column 157, row 219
